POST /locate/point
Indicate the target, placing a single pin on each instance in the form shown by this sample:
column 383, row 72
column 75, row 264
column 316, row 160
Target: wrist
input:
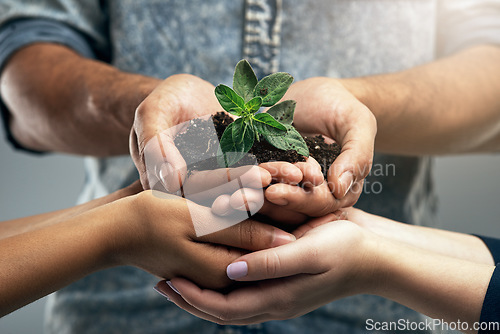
column 385, row 95
column 373, row 268
column 131, row 90
column 119, row 230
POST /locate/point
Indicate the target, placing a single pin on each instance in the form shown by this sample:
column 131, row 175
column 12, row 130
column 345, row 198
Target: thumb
column 287, row 260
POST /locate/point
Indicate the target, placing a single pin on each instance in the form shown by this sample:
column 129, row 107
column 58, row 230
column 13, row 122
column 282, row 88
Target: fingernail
column 283, row 238
column 173, row 287
column 252, row 207
column 161, row 293
column 343, row 215
column 346, row 180
column 237, row 270
column 224, row 212
column 340, row 215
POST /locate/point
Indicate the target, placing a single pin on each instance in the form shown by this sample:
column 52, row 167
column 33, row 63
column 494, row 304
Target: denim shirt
column 307, row 38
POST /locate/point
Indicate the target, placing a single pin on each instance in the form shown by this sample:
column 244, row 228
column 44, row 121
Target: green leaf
column 244, row 80
column 292, row 140
column 283, row 112
column 229, row 100
column 273, row 87
column 266, row 124
column 253, row 105
column 243, row 132
column 231, row 151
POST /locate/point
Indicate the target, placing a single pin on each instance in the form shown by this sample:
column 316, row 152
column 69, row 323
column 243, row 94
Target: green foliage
column 248, row 96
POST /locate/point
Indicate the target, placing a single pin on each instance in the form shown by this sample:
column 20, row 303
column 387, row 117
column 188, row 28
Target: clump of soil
column 199, row 145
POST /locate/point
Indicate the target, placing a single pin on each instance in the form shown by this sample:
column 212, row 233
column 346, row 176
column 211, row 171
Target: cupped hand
column 298, row 192
column 176, row 100
column 161, row 236
column 329, row 262
column 326, row 107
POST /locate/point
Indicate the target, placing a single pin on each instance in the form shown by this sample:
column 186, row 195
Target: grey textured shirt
column 337, row 38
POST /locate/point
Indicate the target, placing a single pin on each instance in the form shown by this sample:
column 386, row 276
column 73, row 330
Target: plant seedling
column 245, row 99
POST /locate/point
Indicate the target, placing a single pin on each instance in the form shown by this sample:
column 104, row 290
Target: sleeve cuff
column 18, row 33
column 490, row 313
column 493, row 245
column 466, row 23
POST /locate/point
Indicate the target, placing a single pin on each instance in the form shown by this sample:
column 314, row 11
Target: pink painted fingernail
column 237, row 270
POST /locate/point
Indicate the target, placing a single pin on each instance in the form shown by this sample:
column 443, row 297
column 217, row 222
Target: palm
column 176, row 100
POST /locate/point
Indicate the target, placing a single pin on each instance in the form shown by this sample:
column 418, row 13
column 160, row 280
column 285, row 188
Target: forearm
column 448, row 243
column 62, row 102
column 22, row 225
column 37, row 263
column 438, row 286
column 448, row 106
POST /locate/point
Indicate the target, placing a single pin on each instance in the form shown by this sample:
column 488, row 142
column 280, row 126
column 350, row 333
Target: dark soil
column 198, row 144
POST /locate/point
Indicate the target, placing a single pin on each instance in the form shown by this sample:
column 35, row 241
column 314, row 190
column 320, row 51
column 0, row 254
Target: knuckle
column 247, row 233
column 272, row 264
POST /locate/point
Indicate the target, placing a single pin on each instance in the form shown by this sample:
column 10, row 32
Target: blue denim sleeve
column 490, row 313
column 80, row 25
column 493, row 245
column 18, row 33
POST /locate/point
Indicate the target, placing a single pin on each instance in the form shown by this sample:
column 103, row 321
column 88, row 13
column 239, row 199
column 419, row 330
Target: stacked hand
column 157, row 234
column 176, row 100
column 433, row 272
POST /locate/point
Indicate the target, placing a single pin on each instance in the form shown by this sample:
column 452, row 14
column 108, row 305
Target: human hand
column 448, row 243
column 157, row 234
column 329, row 262
column 326, row 107
column 299, row 191
column 177, row 99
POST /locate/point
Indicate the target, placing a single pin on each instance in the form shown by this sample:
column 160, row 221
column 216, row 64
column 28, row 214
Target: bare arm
column 451, row 105
column 62, row 102
column 342, row 259
column 22, row 225
column 127, row 231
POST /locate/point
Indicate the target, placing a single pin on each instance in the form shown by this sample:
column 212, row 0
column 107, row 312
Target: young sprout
column 245, row 99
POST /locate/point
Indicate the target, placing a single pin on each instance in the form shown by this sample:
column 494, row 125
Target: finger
column 246, row 305
column 276, row 213
column 173, row 171
column 166, row 291
column 283, row 172
column 311, row 172
column 283, row 261
column 315, row 201
column 250, row 235
column 247, row 199
column 253, row 201
column 279, row 214
column 138, row 159
column 352, row 196
column 315, row 222
column 356, row 157
column 210, row 184
column 221, row 206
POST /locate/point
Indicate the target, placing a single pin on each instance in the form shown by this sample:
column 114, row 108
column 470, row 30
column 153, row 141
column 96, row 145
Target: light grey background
column 468, row 187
